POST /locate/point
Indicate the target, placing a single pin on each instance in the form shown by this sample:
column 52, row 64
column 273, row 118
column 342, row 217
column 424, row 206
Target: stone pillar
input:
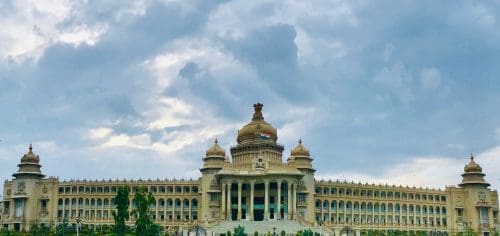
column 278, row 211
column 266, row 200
column 190, row 209
column 239, row 200
column 294, row 203
column 228, row 210
column 223, row 207
column 182, row 210
column 289, row 204
column 157, row 208
column 252, row 183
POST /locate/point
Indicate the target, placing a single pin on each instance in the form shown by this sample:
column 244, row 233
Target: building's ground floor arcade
column 258, row 199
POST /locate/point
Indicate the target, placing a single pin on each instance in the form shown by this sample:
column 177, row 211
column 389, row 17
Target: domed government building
column 255, row 185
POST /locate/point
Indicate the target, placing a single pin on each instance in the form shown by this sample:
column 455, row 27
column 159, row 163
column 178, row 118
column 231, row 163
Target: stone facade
column 256, row 185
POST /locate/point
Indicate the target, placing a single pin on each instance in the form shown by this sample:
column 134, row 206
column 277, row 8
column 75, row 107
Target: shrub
column 255, row 233
column 228, row 233
column 239, row 231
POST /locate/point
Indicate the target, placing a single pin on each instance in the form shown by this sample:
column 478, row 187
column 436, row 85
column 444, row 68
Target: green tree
column 144, row 225
column 121, row 215
column 239, row 231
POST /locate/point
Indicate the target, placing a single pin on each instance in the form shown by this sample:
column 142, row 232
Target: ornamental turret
column 215, row 157
column 473, row 174
column 29, row 166
column 300, row 157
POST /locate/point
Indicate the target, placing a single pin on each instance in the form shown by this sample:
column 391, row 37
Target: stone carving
column 21, row 187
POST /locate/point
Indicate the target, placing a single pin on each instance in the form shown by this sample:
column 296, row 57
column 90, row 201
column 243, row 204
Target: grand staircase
column 263, row 227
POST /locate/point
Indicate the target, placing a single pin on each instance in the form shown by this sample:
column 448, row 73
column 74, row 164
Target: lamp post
column 78, row 226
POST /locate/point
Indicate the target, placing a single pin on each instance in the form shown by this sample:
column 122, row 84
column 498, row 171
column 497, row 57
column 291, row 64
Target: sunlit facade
column 256, row 183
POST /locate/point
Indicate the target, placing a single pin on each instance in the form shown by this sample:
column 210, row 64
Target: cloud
column 431, row 78
column 430, row 171
column 397, row 80
column 100, row 133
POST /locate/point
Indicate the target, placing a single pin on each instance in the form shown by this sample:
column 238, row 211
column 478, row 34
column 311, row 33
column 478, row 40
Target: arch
column 326, row 191
column 177, row 203
column 376, row 207
column 80, row 201
column 356, row 206
column 92, row 202
column 404, row 208
column 194, row 203
column 390, row 207
column 443, row 210
column 417, row 209
column 382, row 207
column 341, row 205
column 170, row 203
column 99, row 202
column 349, row 205
column 318, row 203
column 60, row 202
column 185, row 202
column 334, row 205
column 410, row 208
column 397, row 208
column 318, row 190
column 66, row 201
column 326, row 204
column 106, row 202
column 369, row 206
column 404, row 196
column 376, row 194
column 333, row 191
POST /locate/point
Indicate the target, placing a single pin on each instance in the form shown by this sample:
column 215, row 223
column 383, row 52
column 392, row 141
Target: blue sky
column 383, row 91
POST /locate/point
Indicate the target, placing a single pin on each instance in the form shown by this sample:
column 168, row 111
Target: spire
column 216, row 141
column 257, row 115
column 30, row 149
column 471, row 157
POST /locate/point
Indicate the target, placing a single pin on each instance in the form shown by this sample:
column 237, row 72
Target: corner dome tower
column 473, row 174
column 215, row 157
column 29, row 166
column 257, row 129
column 300, row 157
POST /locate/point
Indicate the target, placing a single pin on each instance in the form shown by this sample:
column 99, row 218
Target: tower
column 214, row 160
column 24, row 199
column 477, row 211
column 300, row 158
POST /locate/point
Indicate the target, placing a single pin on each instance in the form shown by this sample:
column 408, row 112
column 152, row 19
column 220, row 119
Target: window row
column 112, row 189
column 376, row 207
column 108, row 215
column 379, row 194
column 161, row 203
column 356, row 219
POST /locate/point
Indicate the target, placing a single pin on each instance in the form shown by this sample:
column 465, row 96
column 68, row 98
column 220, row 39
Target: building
column 254, row 184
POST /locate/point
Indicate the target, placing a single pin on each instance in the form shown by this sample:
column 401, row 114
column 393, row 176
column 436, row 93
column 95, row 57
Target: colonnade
column 291, row 199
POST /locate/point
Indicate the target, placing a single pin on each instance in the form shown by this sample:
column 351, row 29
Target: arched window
column 334, row 205
column 318, row 190
column 341, row 205
column 326, row 204
column 186, row 203
column 333, row 191
column 194, row 203
column 326, row 191
column 356, row 206
column 390, row 207
column 396, row 207
column 318, row 204
column 60, row 202
column 382, row 207
column 349, row 206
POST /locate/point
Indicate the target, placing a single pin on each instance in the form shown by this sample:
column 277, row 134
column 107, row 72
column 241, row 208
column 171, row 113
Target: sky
column 397, row 92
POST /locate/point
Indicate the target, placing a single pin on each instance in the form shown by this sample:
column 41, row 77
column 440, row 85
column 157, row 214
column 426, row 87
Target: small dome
column 472, row 166
column 300, row 150
column 30, row 157
column 216, row 150
column 258, row 128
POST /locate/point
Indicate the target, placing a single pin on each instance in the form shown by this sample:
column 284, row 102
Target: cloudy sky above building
column 397, row 92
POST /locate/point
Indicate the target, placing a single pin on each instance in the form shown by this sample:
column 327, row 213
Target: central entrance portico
column 258, row 198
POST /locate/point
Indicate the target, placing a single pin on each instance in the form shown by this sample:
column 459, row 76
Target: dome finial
column 31, row 148
column 300, row 140
column 216, row 141
column 257, row 115
column 471, row 157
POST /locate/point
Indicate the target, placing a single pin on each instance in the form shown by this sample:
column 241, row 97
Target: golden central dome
column 257, row 129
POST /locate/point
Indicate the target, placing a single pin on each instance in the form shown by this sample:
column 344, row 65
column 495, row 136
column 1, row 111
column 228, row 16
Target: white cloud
column 99, row 133
column 397, row 80
column 32, row 26
column 430, row 171
column 141, row 141
column 431, row 78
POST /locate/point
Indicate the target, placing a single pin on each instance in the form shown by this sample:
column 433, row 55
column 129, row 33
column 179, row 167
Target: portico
column 258, row 198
